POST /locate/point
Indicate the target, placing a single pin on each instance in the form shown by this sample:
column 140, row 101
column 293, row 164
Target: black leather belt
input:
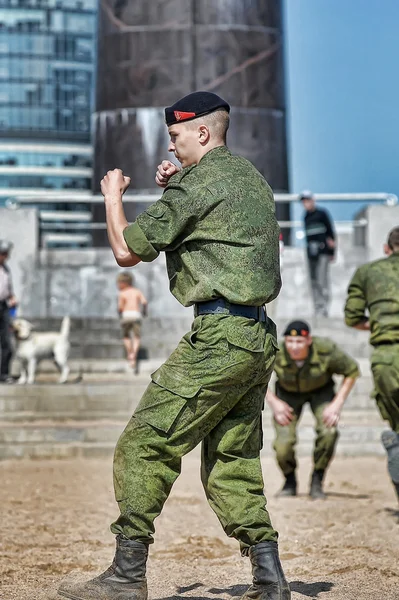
column 220, row 306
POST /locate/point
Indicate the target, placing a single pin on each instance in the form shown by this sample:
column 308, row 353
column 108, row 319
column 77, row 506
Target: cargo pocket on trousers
column 380, row 362
column 379, row 358
column 165, row 399
column 245, row 335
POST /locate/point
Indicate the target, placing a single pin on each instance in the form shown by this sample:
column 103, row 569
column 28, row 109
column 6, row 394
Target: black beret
column 297, row 328
column 194, row 105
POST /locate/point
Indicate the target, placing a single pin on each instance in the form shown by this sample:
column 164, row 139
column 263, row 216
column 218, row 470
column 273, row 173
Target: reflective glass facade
column 47, row 166
column 43, row 159
column 47, row 52
column 45, row 182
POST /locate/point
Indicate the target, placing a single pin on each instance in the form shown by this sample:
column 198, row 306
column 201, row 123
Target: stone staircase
column 85, row 419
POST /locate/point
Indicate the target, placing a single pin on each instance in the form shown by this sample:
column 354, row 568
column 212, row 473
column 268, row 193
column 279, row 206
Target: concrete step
column 359, row 434
column 102, row 396
column 79, row 401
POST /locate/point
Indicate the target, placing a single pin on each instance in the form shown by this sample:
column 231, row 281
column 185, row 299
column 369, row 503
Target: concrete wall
column 21, row 228
column 381, row 219
column 81, row 283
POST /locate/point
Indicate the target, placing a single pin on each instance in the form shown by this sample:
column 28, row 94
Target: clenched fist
column 114, row 183
column 165, row 170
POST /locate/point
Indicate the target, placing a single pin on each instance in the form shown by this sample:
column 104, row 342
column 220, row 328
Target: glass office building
column 47, row 66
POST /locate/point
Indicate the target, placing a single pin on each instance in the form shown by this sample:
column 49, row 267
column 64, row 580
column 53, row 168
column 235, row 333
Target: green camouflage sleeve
column 163, row 224
column 355, row 306
column 343, row 364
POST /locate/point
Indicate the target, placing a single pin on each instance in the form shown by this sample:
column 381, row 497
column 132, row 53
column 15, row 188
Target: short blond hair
column 125, row 277
column 217, row 121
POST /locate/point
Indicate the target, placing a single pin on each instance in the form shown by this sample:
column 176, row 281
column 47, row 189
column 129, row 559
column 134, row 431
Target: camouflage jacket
column 375, row 287
column 216, row 223
column 325, row 359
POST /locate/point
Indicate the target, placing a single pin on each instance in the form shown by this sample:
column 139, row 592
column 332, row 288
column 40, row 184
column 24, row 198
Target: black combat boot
column 123, row 580
column 289, row 487
column 390, row 441
column 316, row 485
column 269, row 582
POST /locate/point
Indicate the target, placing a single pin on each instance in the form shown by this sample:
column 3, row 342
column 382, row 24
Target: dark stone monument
column 150, row 53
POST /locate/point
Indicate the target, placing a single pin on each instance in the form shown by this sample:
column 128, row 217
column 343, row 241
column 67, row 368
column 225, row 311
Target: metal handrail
column 46, row 197
column 88, row 225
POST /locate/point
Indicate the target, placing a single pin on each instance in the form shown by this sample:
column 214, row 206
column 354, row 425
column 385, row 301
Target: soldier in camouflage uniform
column 216, row 223
column 375, row 288
column 304, row 368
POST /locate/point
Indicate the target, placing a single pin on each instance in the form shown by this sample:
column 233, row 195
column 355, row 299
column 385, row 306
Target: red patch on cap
column 182, row 116
column 304, row 333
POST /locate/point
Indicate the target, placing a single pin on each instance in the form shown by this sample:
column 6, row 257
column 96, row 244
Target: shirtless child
column 132, row 306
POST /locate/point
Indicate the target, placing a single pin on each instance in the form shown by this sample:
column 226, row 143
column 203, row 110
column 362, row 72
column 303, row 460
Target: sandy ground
column 55, row 517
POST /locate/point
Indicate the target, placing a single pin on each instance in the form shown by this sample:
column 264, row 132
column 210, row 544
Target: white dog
column 35, row 346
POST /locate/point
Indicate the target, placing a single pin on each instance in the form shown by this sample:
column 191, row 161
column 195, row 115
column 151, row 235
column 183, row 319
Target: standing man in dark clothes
column 7, row 301
column 321, row 245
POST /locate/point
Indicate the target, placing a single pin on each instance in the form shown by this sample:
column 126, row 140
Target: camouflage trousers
column 210, row 390
column 319, row 270
column 385, row 369
column 326, row 437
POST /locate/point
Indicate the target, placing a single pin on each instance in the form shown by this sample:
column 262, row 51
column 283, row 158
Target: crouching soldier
column 304, row 367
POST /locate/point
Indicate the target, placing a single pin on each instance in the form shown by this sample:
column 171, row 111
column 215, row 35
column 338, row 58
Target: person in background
column 321, row 248
column 132, row 307
column 304, row 367
column 7, row 301
column 374, row 289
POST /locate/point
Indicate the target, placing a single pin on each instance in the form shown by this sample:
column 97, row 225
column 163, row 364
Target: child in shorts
column 132, row 306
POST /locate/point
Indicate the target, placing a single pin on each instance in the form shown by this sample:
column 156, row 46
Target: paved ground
column 55, row 517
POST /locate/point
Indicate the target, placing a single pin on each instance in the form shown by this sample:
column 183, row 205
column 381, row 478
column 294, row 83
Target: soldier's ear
column 203, row 134
column 387, row 250
column 309, row 340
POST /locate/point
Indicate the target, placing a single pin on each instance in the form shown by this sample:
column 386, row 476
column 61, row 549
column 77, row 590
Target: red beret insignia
column 182, row 116
column 304, row 333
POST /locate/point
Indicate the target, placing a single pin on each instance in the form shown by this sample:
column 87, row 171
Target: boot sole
column 390, row 441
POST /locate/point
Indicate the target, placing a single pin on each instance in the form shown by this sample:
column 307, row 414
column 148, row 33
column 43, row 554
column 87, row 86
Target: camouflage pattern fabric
column 326, row 437
column 385, row 369
column 375, row 287
column 216, row 223
column 325, row 360
column 210, row 390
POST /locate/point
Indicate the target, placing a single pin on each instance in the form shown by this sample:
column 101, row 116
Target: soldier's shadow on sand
column 332, row 495
column 310, row 590
column 392, row 512
column 346, row 495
